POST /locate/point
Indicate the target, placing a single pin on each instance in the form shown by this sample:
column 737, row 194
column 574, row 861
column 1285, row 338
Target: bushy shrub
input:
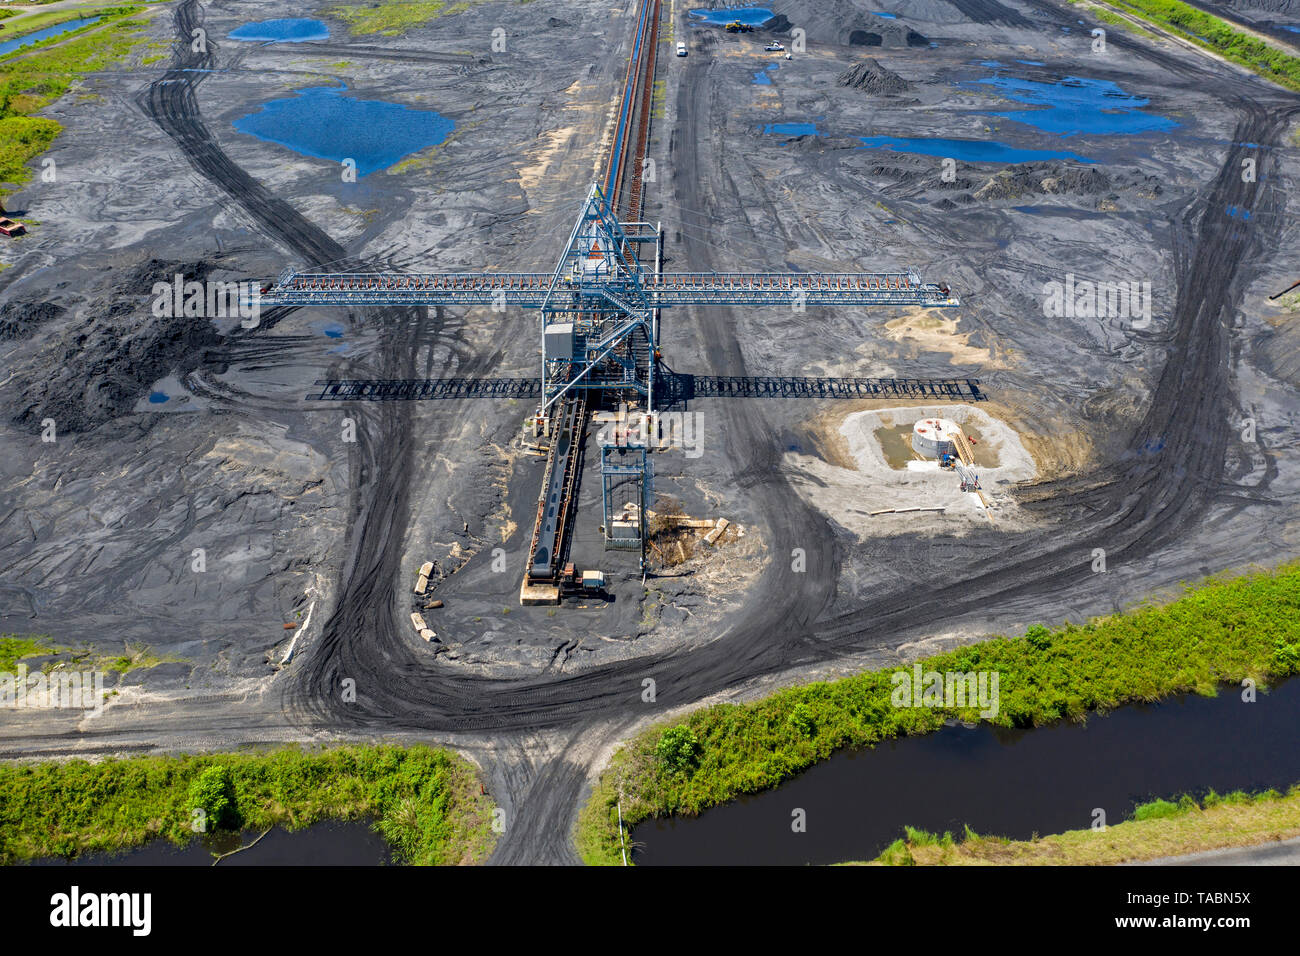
column 802, row 720
column 679, row 749
column 213, row 793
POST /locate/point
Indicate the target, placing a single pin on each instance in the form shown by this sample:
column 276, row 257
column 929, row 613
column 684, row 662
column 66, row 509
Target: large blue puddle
column 325, row 123
column 282, row 31
column 791, row 129
column 36, row 36
column 1076, row 105
column 754, row 16
column 969, row 150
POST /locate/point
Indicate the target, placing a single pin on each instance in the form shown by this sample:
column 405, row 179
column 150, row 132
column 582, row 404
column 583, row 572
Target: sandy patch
column 931, row 331
column 543, row 156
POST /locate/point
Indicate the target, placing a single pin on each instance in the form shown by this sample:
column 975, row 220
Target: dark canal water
column 334, row 843
column 1008, row 783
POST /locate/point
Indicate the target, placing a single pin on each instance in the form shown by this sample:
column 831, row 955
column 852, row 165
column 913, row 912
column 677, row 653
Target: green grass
column 14, row 648
column 135, row 657
column 394, row 17
column 1159, row 809
column 1211, row 33
column 427, row 802
column 35, row 79
column 1113, row 18
column 1224, row 630
column 1161, row 828
column 51, row 18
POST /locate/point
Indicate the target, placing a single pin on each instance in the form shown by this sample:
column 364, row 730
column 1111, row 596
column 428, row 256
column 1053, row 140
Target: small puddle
column 157, row 398
column 1075, row 105
column 36, row 36
column 294, row 30
column 332, row 843
column 751, row 16
column 985, row 457
column 969, row 150
column 326, row 123
column 896, row 445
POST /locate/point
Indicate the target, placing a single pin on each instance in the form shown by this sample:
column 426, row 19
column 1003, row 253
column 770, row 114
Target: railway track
column 624, row 167
column 624, row 189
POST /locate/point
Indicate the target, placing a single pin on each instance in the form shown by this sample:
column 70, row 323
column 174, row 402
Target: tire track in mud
column 1176, row 464
column 382, row 465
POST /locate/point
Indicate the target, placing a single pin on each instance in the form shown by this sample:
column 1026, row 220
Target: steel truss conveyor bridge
column 600, row 339
column 600, row 306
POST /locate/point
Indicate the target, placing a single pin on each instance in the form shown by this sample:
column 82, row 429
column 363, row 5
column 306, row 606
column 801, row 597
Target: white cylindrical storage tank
column 933, row 437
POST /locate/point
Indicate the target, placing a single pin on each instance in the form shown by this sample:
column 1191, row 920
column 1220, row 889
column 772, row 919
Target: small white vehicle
column 774, row 47
column 789, row 57
column 681, row 48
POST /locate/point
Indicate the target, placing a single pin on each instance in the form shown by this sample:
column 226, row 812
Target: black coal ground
column 98, row 531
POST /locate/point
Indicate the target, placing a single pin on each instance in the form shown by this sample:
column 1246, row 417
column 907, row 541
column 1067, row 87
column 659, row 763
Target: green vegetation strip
column 32, row 79
column 1158, row 829
column 14, row 648
column 394, row 17
column 32, row 22
column 18, row 647
column 1208, row 31
column 1124, row 23
column 428, row 803
column 1222, row 631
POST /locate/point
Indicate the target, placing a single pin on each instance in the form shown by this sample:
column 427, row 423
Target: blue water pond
column 754, row 16
column 968, row 150
column 887, row 16
column 1077, row 105
column 333, row 331
column 1287, row 26
column 157, row 398
column 324, row 122
column 791, row 129
column 282, row 31
column 37, row 36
